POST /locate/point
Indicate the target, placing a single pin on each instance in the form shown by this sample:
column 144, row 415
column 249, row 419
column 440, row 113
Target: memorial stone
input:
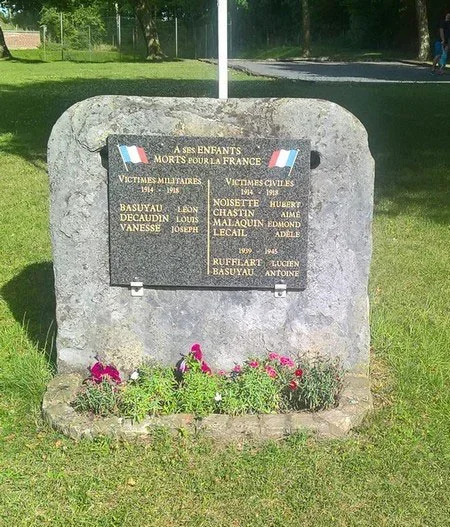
column 241, row 224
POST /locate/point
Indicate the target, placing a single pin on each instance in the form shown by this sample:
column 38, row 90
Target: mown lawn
column 394, row 471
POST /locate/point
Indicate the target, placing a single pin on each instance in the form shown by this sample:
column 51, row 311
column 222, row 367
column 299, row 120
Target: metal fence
column 122, row 38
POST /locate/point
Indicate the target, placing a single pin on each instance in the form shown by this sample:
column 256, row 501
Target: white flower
column 218, row 397
column 134, row 376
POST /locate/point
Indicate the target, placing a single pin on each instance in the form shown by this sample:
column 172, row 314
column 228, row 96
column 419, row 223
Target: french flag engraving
column 133, row 154
column 283, row 158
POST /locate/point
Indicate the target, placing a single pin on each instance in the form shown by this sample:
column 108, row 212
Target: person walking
column 442, row 40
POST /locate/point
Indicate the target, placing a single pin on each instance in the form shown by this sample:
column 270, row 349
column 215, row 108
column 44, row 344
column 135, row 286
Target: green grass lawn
column 393, row 472
column 326, row 51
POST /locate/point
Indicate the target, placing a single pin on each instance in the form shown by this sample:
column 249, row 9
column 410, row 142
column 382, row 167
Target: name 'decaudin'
column 141, row 217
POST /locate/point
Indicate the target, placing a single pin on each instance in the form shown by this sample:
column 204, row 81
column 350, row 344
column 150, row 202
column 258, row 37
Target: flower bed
column 354, row 403
column 275, row 384
column 189, row 396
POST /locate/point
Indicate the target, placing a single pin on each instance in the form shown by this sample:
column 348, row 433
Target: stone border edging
column 355, row 403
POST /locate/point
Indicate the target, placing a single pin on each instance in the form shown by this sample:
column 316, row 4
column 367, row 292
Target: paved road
column 394, row 72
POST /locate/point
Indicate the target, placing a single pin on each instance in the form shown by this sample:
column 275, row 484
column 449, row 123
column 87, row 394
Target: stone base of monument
column 355, row 402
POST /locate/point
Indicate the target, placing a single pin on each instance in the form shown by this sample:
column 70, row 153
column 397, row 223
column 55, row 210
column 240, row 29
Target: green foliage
column 135, row 403
column 82, row 27
column 318, row 387
column 24, row 370
column 101, row 399
column 197, row 391
column 257, row 24
column 26, row 20
column 251, row 392
column 153, row 393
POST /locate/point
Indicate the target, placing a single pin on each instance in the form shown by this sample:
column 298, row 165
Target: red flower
column 113, row 373
column 273, row 356
column 253, row 364
column 197, row 352
column 205, row 368
column 298, row 373
column 287, row 361
column 237, row 368
column 98, row 372
column 271, row 372
column 293, row 385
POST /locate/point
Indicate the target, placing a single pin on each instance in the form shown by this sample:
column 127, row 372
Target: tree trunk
column 146, row 15
column 306, row 23
column 422, row 26
column 4, row 51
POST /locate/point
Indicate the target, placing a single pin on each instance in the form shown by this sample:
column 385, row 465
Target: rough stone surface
column 329, row 317
column 334, row 423
column 120, row 347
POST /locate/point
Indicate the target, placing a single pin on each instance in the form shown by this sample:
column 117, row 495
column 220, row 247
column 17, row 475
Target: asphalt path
column 394, row 72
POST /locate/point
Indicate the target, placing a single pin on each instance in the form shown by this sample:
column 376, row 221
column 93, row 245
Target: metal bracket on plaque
column 280, row 290
column 137, row 288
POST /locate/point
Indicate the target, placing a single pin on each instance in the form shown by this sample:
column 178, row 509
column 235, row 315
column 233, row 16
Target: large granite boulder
column 329, row 317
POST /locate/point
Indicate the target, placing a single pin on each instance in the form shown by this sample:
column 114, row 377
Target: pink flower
column 273, row 356
column 293, row 385
column 98, row 372
column 253, row 364
column 271, row 372
column 221, row 372
column 237, row 368
column 205, row 368
column 298, row 373
column 113, row 373
column 197, row 352
column 182, row 367
column 287, row 361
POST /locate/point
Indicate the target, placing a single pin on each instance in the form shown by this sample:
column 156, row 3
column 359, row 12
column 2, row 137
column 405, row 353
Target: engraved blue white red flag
column 133, row 154
column 283, row 158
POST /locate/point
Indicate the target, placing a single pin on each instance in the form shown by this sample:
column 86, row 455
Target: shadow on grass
column 26, row 61
column 125, row 61
column 403, row 124
column 31, row 298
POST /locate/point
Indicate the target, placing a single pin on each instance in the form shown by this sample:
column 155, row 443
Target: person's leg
column 437, row 54
column 435, row 62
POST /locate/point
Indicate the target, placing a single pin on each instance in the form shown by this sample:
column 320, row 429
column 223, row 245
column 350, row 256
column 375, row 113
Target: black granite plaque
column 208, row 211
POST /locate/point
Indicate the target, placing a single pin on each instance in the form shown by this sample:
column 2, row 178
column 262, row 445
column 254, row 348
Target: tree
column 306, row 24
column 422, row 26
column 146, row 13
column 4, row 51
column 13, row 7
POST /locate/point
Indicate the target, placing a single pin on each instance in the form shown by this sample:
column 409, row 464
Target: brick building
column 22, row 39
